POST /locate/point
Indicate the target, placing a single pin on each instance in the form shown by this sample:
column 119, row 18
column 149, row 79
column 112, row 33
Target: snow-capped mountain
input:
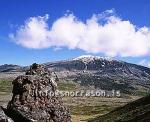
column 87, row 57
column 100, row 72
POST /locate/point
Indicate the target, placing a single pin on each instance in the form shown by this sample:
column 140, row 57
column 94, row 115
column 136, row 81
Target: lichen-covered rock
column 32, row 100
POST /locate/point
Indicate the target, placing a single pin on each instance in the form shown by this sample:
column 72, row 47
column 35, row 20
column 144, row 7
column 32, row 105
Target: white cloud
column 144, row 62
column 103, row 33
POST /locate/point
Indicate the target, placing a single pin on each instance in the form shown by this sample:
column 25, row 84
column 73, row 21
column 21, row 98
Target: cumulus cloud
column 144, row 62
column 102, row 33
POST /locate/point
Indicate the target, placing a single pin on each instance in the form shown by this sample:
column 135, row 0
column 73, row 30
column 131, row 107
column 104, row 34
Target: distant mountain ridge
column 10, row 68
column 99, row 72
column 104, row 73
column 91, row 63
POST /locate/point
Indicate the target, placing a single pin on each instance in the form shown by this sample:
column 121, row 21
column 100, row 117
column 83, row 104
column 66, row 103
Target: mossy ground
column 67, row 86
column 5, row 86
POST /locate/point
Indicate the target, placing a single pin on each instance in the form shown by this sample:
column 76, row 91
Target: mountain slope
column 10, row 68
column 10, row 71
column 96, row 72
column 137, row 111
column 104, row 73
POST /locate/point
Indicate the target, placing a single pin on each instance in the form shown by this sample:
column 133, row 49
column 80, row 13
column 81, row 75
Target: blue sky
column 14, row 14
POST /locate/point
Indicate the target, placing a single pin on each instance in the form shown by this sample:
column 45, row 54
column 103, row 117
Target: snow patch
column 89, row 58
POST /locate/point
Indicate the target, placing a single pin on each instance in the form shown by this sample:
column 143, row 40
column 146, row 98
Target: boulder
column 32, row 100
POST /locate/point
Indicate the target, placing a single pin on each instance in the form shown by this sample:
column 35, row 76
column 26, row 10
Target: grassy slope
column 136, row 111
column 85, row 108
column 81, row 108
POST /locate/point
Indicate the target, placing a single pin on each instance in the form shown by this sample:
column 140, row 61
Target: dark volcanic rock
column 4, row 117
column 32, row 102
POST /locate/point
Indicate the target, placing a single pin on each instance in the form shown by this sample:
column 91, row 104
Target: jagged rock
column 4, row 117
column 32, row 101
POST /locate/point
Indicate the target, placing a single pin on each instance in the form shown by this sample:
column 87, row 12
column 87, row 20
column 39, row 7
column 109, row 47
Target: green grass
column 5, row 86
column 66, row 86
column 137, row 109
column 84, row 113
column 142, row 93
column 89, row 110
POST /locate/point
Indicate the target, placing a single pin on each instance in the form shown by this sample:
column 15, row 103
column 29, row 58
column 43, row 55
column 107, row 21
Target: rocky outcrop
column 4, row 117
column 32, row 101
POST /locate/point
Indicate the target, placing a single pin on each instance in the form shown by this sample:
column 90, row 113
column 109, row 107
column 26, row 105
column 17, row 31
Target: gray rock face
column 32, row 101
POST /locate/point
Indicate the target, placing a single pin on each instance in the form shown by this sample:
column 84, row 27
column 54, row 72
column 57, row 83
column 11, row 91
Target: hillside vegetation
column 137, row 111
